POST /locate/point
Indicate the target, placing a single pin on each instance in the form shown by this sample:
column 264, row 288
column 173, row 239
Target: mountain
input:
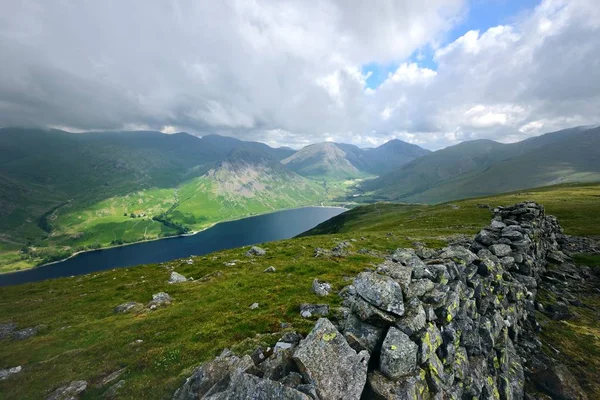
column 67, row 190
column 483, row 167
column 223, row 145
column 323, row 160
column 346, row 161
column 392, row 155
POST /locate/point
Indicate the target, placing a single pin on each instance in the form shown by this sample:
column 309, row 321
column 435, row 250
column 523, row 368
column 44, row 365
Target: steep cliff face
column 446, row 324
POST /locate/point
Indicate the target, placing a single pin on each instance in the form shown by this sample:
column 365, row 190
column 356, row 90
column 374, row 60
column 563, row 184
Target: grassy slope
column 83, row 339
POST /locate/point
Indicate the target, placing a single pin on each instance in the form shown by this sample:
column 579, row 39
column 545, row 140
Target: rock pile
column 444, row 324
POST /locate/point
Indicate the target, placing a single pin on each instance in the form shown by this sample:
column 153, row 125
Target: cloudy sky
column 294, row 72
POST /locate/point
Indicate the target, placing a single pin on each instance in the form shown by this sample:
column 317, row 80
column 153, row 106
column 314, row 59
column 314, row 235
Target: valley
column 158, row 349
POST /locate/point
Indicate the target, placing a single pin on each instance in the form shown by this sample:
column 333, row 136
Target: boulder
column 500, row 250
column 271, row 269
column 360, row 335
column 321, row 288
column 127, row 307
column 398, row 354
column 160, row 299
column 458, row 254
column 256, row 251
column 68, row 392
column 5, row 373
column 558, row 382
column 308, row 310
column 7, row 329
column 406, row 388
column 400, row 273
column 326, row 360
column 24, row 333
column 207, row 377
column 177, row 278
column 381, row 291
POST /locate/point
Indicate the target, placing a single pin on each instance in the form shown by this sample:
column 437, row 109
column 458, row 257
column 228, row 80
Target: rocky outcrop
column 256, row 251
column 450, row 324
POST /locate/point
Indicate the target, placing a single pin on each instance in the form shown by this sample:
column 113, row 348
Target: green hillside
column 62, row 192
column 484, row 167
column 81, row 338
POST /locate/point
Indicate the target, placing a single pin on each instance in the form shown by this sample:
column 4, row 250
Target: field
column 81, row 338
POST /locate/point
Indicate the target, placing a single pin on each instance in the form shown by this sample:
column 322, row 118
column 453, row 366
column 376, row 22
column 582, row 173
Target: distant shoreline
column 167, row 237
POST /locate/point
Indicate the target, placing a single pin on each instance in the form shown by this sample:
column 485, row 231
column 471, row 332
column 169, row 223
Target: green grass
column 577, row 339
column 83, row 339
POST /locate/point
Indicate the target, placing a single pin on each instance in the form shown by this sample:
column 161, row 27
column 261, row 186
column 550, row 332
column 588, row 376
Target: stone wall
column 442, row 324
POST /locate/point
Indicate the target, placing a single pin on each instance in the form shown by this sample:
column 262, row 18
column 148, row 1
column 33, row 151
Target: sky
column 295, row 72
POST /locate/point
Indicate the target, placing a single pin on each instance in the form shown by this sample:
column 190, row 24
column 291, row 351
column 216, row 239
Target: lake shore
column 192, row 233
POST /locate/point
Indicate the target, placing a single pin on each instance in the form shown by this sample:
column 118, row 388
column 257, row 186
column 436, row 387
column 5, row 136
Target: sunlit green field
column 81, row 338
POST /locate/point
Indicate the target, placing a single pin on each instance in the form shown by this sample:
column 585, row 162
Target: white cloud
column 289, row 72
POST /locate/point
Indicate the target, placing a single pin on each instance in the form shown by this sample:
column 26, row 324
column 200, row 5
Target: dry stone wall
column 454, row 323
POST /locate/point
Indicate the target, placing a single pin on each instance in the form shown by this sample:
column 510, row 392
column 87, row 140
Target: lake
column 253, row 230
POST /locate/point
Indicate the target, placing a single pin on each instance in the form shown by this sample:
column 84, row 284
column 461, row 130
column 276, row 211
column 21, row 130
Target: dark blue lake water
column 253, row 230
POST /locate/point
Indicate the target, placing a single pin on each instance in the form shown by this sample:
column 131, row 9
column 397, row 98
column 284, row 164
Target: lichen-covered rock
column 177, row 278
column 326, row 360
column 321, row 288
column 207, row 376
column 68, row 392
column 414, row 319
column 400, row 273
column 398, row 354
column 256, row 251
column 360, row 335
column 406, row 388
column 430, row 341
column 381, row 291
column 500, row 250
column 458, row 254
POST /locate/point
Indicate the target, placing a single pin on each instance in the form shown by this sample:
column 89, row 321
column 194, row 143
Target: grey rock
column 246, row 386
column 419, row 287
column 400, row 273
column 161, row 298
column 5, row 373
column 69, row 392
column 112, row 391
column 500, row 250
column 279, row 364
column 206, row 377
column 177, row 278
column 292, row 380
column 406, row 388
column 326, row 360
column 127, row 307
column 498, row 224
column 486, row 237
column 398, row 354
column 24, row 333
column 7, row 329
column 560, row 383
column 381, row 291
column 458, row 254
column 360, row 335
column 309, row 310
column 369, row 313
column 254, row 306
column 256, row 251
column 430, row 341
column 271, row 269
column 413, row 320
column 321, row 288
column 408, row 257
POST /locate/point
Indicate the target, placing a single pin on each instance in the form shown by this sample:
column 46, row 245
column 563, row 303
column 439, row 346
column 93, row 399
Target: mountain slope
column 392, row 155
column 324, row 160
column 480, row 168
column 72, row 190
column 346, row 161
